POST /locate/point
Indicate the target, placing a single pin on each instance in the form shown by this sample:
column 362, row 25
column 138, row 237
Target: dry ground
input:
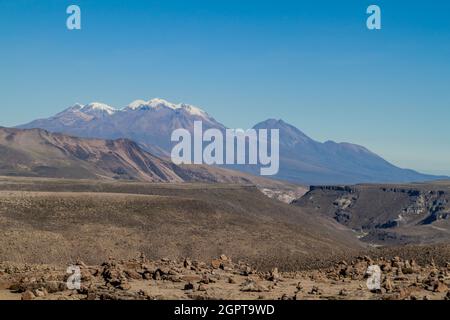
column 221, row 278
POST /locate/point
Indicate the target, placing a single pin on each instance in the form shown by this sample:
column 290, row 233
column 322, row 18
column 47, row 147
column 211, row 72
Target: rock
column 343, row 292
column 28, row 295
column 42, row 292
column 223, row 257
column 113, row 275
column 401, row 278
column 205, row 279
column 124, row 286
column 215, row 263
column 201, row 287
column 439, row 286
column 189, row 286
column 157, row 275
column 285, row 297
column 315, row 291
column 408, row 270
column 231, row 280
column 91, row 296
column 191, row 278
column 132, row 274
column 386, row 266
column 174, row 278
column 251, row 285
column 274, row 275
column 55, row 286
column 387, row 285
column 187, row 263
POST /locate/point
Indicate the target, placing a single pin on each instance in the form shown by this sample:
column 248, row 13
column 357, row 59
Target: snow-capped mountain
column 302, row 159
column 158, row 104
column 98, row 109
column 149, row 123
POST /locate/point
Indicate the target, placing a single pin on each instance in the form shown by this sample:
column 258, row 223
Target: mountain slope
column 38, row 152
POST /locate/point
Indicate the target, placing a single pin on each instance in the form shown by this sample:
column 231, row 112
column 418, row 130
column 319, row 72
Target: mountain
column 302, row 159
column 39, row 153
column 305, row 160
column 149, row 123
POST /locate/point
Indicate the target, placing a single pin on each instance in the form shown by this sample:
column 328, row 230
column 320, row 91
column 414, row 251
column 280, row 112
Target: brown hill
column 40, row 153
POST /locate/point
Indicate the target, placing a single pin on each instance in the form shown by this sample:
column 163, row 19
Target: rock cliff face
column 395, row 214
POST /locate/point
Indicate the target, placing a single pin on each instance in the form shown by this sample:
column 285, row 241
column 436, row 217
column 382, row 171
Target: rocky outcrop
column 385, row 213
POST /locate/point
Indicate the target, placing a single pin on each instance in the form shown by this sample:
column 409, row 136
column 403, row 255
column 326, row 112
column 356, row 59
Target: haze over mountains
column 302, row 159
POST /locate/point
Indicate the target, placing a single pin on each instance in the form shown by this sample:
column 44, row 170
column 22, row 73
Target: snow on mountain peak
column 193, row 110
column 136, row 104
column 98, row 107
column 158, row 103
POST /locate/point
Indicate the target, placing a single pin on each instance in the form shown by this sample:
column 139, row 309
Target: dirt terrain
column 279, row 251
column 56, row 221
column 221, row 278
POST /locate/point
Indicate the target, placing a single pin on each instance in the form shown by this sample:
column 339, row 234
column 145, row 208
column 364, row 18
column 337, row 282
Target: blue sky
column 312, row 63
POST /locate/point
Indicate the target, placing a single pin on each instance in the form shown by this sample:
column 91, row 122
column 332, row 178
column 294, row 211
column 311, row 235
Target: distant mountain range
column 302, row 159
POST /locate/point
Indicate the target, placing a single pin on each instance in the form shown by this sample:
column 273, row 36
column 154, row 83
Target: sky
column 313, row 64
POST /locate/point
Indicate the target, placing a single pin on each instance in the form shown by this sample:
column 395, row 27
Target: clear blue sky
column 312, row 63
